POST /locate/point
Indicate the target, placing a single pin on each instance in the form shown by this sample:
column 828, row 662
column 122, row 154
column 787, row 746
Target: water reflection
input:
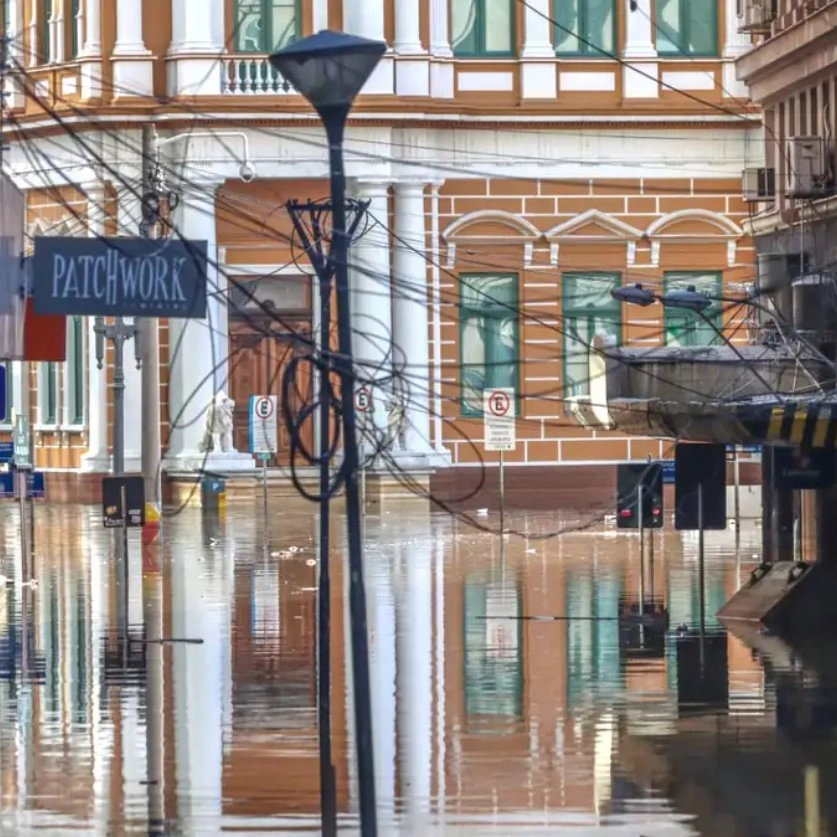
column 516, row 692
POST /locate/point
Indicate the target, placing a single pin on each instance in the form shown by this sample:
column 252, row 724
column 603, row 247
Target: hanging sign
column 125, row 277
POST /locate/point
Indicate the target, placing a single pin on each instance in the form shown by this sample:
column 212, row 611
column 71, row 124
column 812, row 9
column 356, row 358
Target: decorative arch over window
column 593, row 226
column 491, row 225
column 696, row 226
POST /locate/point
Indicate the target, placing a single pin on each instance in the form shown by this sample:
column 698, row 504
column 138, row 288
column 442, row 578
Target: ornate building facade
column 520, row 159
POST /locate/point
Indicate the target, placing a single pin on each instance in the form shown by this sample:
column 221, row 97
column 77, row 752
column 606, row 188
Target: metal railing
column 252, row 75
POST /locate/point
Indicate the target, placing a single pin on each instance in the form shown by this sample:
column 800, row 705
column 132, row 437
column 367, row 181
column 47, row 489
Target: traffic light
column 639, row 483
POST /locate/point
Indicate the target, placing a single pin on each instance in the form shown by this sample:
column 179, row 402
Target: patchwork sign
column 120, row 277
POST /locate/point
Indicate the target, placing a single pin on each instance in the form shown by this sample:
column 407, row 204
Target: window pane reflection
column 493, row 651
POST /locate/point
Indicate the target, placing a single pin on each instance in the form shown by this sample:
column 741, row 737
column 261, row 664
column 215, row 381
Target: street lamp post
column 329, row 69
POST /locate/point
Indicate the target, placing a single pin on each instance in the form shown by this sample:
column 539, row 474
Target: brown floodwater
column 513, row 692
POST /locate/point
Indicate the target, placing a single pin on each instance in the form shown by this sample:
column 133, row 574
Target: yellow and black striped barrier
column 802, row 425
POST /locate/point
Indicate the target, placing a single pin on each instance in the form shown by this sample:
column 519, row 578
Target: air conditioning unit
column 758, row 184
column 809, row 168
column 756, row 15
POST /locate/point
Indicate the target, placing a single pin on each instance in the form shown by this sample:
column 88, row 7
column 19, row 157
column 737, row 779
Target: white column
column 736, row 44
column 14, row 32
column 198, row 349
column 639, row 36
column 407, row 28
column 92, row 28
column 319, row 13
column 91, row 53
column 198, row 38
column 129, row 216
column 371, row 301
column 97, row 458
column 412, row 67
column 639, row 44
column 366, row 19
column 415, row 678
column 35, row 57
column 539, row 71
column 57, row 29
column 537, row 31
column 411, row 337
column 132, row 62
column 441, row 68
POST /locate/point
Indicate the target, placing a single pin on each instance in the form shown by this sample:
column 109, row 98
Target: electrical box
column 809, row 173
column 758, row 184
column 755, row 16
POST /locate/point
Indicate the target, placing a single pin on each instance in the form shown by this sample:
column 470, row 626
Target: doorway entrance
column 262, row 346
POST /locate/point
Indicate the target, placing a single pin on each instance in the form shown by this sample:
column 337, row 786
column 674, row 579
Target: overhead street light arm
column 246, row 171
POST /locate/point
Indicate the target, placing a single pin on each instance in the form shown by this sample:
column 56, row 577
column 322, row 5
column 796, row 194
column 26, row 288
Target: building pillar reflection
column 152, row 587
column 442, row 534
column 415, row 676
column 197, row 674
column 382, row 671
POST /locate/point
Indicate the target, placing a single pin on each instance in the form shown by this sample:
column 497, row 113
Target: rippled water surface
column 511, row 692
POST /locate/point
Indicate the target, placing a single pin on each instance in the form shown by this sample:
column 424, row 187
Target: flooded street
column 508, row 695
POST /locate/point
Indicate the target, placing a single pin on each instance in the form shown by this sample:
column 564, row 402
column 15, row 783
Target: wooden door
column 258, row 363
column 247, row 377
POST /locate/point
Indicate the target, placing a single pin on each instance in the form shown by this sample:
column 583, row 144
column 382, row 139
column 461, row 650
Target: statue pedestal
column 214, row 462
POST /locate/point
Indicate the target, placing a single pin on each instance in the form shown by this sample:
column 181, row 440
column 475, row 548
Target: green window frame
column 46, row 14
column 6, row 418
column 74, row 378
column 686, row 27
column 584, row 28
column 75, row 6
column 48, row 393
column 688, row 328
column 262, row 26
column 483, row 28
column 587, row 308
column 489, row 337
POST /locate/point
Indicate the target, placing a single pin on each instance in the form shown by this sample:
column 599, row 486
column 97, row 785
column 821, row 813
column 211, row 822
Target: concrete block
column 787, row 599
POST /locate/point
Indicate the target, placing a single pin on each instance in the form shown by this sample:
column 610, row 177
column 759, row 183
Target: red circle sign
column 499, row 403
column 363, row 400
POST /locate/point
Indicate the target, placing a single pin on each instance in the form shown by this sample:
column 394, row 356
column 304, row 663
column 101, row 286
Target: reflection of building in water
column 476, row 711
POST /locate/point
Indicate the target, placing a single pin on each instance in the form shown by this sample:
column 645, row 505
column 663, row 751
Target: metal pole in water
column 737, row 495
column 701, row 574
column 813, row 828
column 502, row 494
column 123, row 502
column 639, row 498
column 264, row 494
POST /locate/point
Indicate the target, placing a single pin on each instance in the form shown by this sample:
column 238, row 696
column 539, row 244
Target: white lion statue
column 396, row 422
column 218, row 429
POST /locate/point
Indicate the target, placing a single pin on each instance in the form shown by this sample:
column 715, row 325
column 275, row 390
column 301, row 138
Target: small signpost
column 499, row 434
column 123, row 507
column 123, row 502
column 363, row 400
column 264, row 435
column 20, row 436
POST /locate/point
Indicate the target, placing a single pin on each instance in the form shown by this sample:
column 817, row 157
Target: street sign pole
column 264, row 441
column 499, row 436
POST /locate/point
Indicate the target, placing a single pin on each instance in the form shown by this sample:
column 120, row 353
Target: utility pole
column 148, row 335
column 118, row 333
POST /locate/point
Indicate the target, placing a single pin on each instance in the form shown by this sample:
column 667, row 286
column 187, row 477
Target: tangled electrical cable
column 319, row 360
